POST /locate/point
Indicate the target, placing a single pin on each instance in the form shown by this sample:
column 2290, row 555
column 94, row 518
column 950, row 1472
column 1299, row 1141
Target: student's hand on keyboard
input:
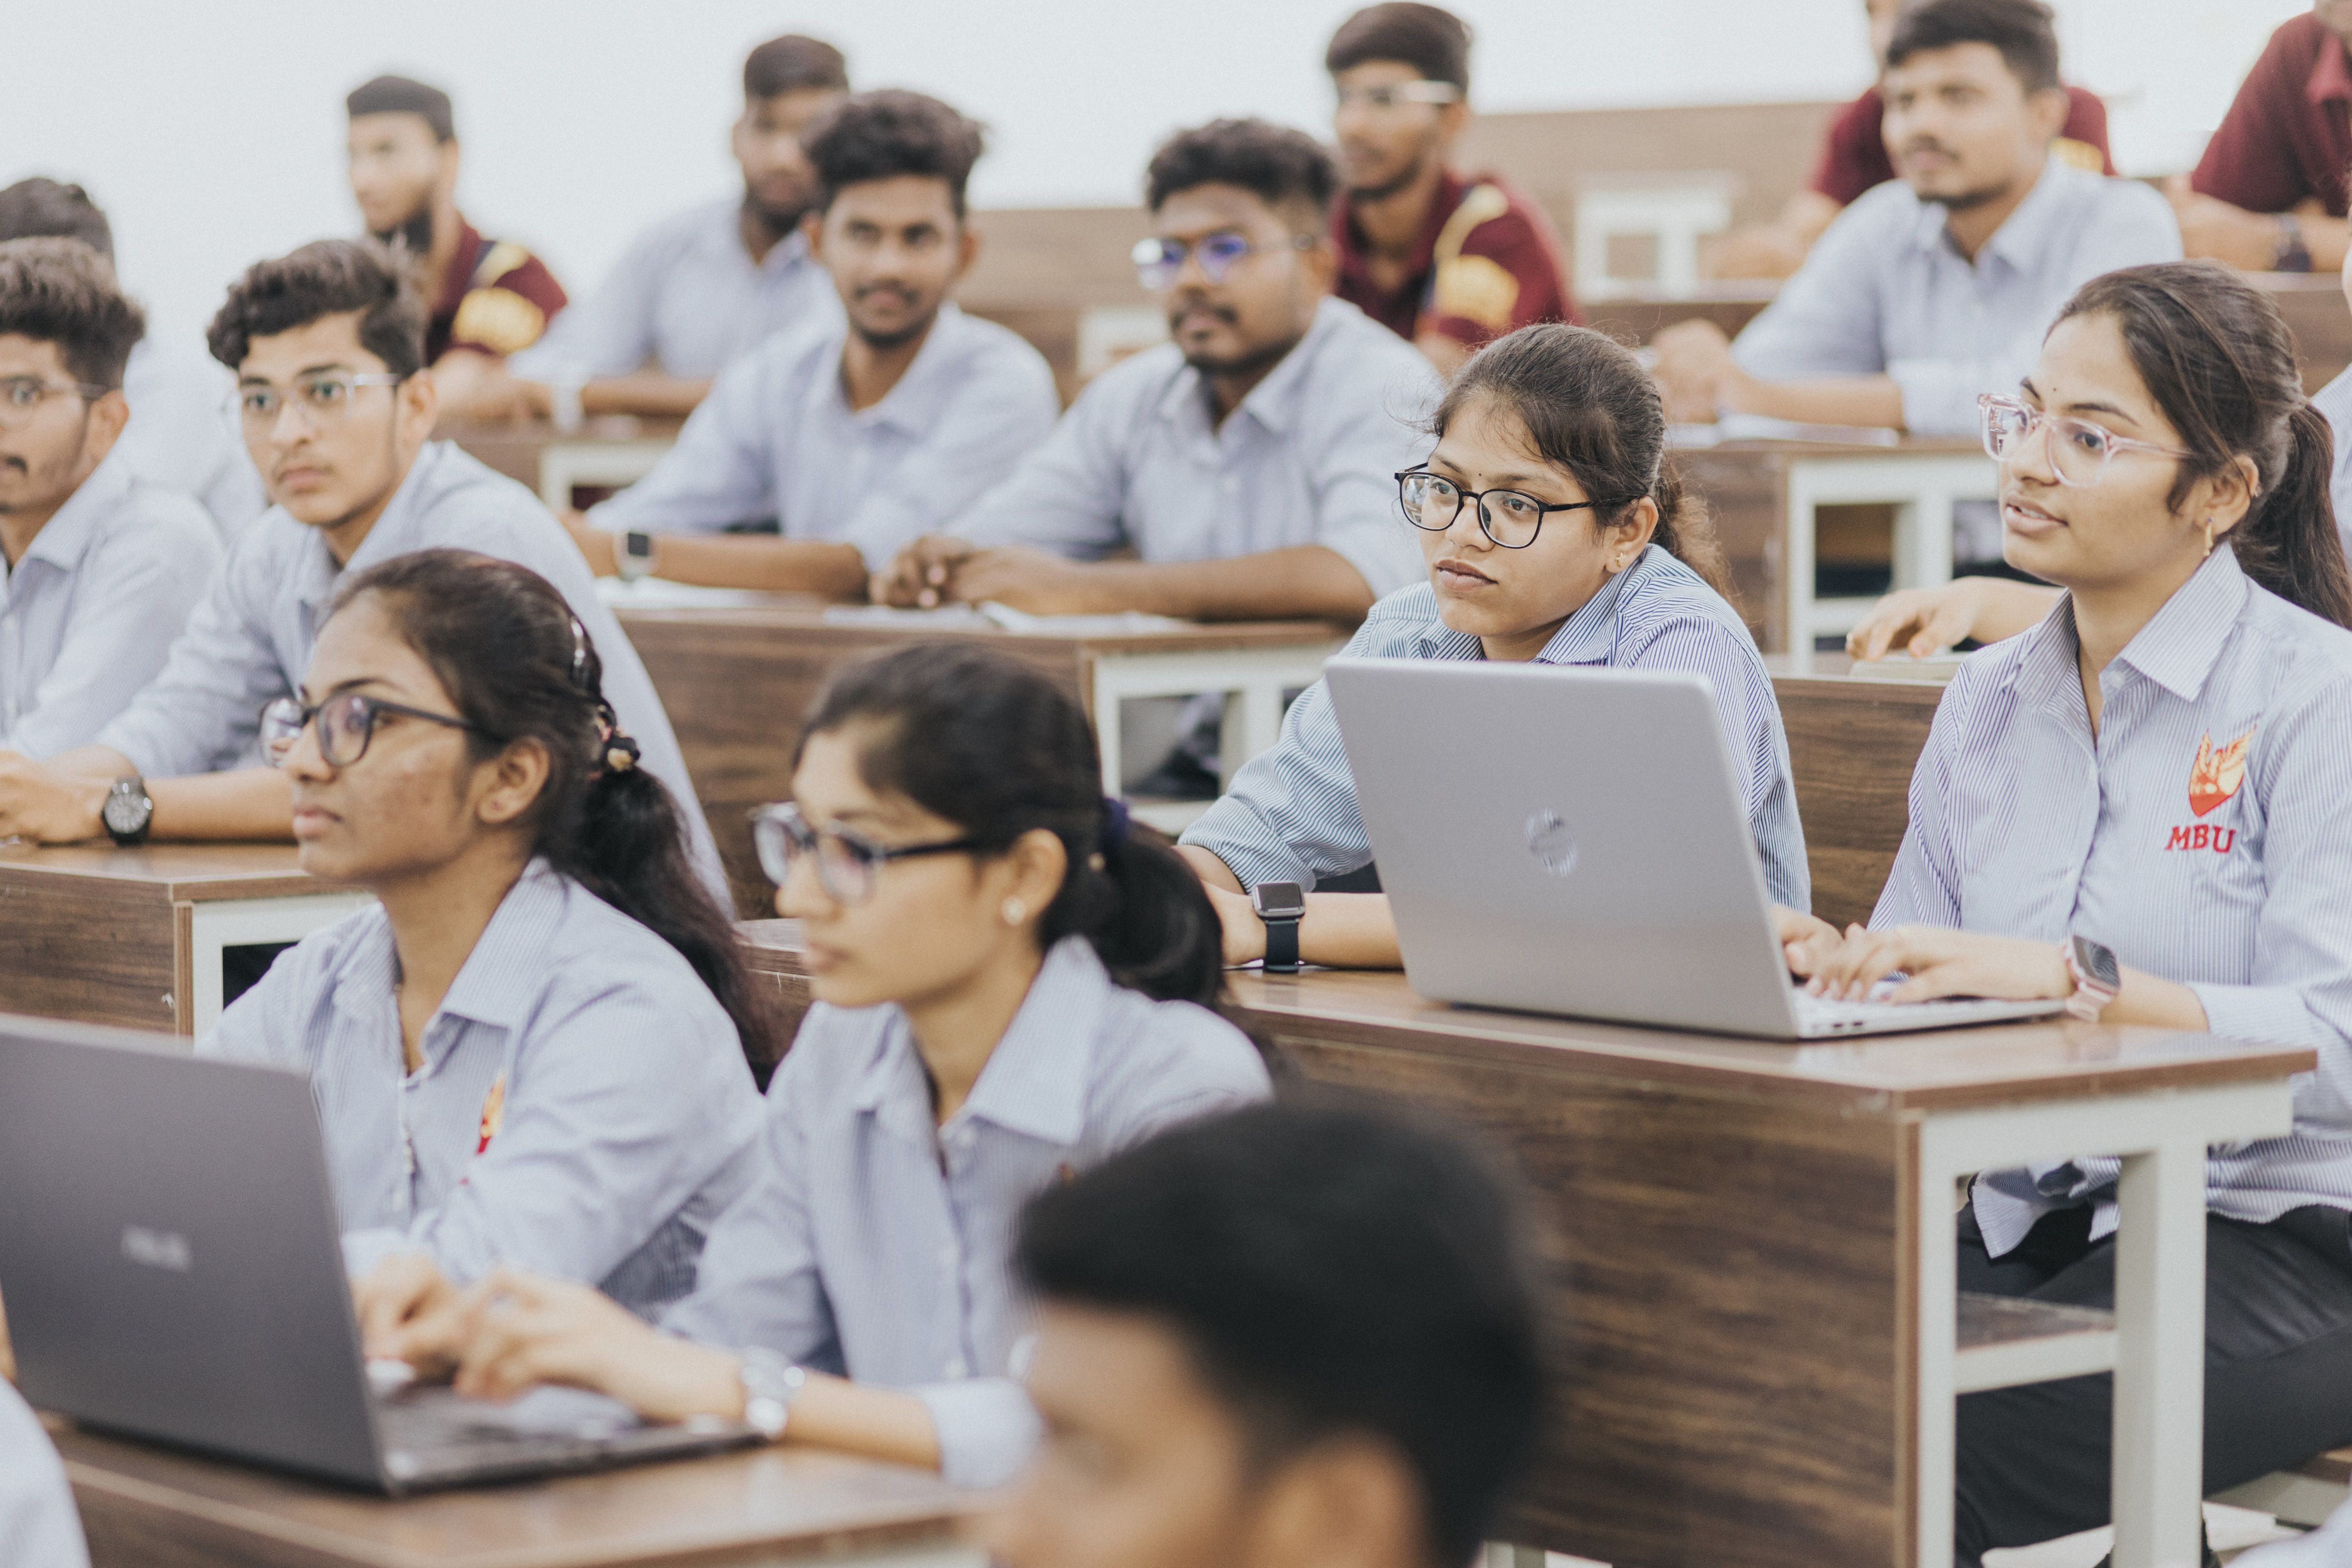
column 1939, row 962
column 523, row 1330
column 408, row 1310
column 1805, row 939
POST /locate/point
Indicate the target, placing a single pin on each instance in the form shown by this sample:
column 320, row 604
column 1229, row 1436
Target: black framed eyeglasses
column 346, row 724
column 1510, row 517
column 848, row 864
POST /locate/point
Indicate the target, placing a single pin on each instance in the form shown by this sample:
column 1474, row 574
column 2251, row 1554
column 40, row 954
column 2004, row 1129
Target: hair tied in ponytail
column 619, row 752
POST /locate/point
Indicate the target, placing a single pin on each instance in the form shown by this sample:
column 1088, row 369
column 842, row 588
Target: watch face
column 2097, row 962
column 125, row 812
column 1278, row 900
column 640, row 546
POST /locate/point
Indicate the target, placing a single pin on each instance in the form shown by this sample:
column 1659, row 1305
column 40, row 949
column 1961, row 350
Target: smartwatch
column 127, row 811
column 633, row 554
column 2292, row 253
column 770, row 1383
column 2097, row 978
column 1282, row 905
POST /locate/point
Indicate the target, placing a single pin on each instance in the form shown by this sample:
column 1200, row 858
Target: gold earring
column 1015, row 911
column 2208, row 536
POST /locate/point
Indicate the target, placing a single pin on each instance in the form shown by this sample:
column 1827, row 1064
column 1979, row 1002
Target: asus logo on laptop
column 158, row 1249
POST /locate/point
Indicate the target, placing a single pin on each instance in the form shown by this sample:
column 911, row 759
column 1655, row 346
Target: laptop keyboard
column 1819, row 1015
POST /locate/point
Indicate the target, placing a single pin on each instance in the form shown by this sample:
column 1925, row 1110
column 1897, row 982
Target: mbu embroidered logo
column 2213, row 779
column 494, row 1113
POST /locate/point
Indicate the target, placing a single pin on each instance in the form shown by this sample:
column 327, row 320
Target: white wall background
column 212, row 130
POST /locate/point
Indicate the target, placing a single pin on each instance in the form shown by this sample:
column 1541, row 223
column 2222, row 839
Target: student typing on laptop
column 1553, row 530
column 1011, row 985
column 534, row 1049
column 2138, row 805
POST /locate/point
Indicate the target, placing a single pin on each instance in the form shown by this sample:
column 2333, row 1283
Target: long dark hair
column 994, row 746
column 1591, row 409
column 516, row 661
column 2219, row 359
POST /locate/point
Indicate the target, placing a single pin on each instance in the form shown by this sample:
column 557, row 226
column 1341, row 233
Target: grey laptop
column 1572, row 840
column 170, row 1261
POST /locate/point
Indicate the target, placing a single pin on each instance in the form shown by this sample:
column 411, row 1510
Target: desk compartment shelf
column 2005, row 1341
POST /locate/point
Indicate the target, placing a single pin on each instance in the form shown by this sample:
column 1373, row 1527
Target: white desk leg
column 1797, row 558
column 1107, row 733
column 2160, row 1431
column 1936, row 1224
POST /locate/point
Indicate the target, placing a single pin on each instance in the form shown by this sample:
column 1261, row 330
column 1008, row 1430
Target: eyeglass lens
column 1508, row 517
column 2078, row 450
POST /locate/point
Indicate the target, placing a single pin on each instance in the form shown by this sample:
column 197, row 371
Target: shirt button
column 957, row 1367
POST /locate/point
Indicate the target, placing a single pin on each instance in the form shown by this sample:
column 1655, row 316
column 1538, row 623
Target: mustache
column 1184, row 307
column 1926, row 144
column 899, row 292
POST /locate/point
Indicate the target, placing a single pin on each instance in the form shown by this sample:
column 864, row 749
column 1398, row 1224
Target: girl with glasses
column 541, row 1046
column 1553, row 530
column 2138, row 805
column 1011, row 982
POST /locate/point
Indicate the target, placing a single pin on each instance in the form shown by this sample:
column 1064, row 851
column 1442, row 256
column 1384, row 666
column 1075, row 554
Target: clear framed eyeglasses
column 2080, row 451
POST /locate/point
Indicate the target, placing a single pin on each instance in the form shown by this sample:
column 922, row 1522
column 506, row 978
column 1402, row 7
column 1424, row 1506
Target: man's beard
column 1256, row 362
column 413, row 234
column 779, row 222
column 1390, row 187
column 883, row 343
column 1966, row 201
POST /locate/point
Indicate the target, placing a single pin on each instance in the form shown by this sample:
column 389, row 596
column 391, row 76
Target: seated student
column 1244, row 463
column 39, row 1526
column 857, row 430
column 1930, row 290
column 176, row 439
column 1854, row 159
column 2269, row 193
column 1446, row 261
column 1554, row 531
column 2138, row 806
column 101, row 568
column 326, row 343
column 1289, row 1333
column 488, row 299
column 697, row 290
column 1011, row 985
column 531, row 1050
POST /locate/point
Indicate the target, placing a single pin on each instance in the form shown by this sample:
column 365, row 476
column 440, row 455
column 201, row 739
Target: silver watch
column 633, row 554
column 770, row 1383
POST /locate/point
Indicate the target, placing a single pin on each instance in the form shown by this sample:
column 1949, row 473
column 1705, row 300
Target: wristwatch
column 2097, row 978
column 770, row 1383
column 127, row 811
column 1282, row 905
column 2292, row 253
column 633, row 554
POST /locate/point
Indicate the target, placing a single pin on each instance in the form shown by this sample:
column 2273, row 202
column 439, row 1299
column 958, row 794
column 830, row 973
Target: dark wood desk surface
column 100, row 933
column 146, row 1507
column 737, row 682
column 1731, row 1271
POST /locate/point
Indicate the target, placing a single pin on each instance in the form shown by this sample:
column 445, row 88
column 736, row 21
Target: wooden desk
column 1753, row 1249
column 146, row 1507
column 607, row 453
column 1766, row 497
column 139, row 937
column 1852, row 744
column 2313, row 304
column 737, row 682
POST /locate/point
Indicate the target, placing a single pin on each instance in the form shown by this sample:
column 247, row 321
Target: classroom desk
column 1752, row 1274
column 737, row 681
column 607, row 453
column 140, row 936
column 1766, row 497
column 145, row 1507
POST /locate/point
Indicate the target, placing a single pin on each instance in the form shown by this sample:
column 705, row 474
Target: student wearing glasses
column 2138, row 806
column 327, row 344
column 101, row 568
column 539, row 1045
column 1553, row 530
column 1244, row 464
column 1012, row 984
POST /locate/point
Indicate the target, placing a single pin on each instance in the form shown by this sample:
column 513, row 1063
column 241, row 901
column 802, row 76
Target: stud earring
column 2208, row 536
column 1015, row 911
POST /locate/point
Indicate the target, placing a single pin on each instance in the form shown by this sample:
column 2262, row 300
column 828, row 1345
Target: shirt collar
column 722, row 237
column 1275, row 401
column 921, row 397
column 1034, row 1082
column 2024, row 235
column 65, row 535
column 2331, row 74
column 491, row 985
column 1584, row 638
column 2178, row 646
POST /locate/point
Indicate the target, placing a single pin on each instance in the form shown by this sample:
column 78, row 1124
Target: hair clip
column 620, row 754
column 579, row 654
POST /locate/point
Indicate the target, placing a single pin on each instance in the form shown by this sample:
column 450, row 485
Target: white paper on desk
column 659, row 593
column 1757, row 427
column 1127, row 623
column 947, row 617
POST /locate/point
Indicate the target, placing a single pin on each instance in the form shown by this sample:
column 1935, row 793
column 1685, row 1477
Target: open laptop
column 1572, row 840
column 169, row 1257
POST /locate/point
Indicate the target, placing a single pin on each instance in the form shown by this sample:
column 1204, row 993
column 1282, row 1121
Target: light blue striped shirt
column 878, row 1243
column 584, row 1109
column 1291, row 814
column 89, row 612
column 777, row 439
column 1137, row 463
column 249, row 640
column 39, row 1527
column 2202, row 835
column 685, row 296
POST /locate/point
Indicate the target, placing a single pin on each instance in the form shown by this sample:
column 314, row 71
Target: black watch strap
column 1282, row 945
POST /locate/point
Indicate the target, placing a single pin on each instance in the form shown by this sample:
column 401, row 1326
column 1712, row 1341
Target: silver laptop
column 172, row 1271
column 1572, row 840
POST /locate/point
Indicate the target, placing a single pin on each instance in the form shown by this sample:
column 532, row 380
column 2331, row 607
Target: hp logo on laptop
column 1551, row 843
column 166, row 1250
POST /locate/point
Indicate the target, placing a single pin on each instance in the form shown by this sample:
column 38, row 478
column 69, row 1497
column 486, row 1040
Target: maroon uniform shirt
column 1486, row 263
column 1854, row 154
column 495, row 299
column 2288, row 134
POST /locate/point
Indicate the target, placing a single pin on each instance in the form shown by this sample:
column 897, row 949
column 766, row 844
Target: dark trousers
column 2032, row 1461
